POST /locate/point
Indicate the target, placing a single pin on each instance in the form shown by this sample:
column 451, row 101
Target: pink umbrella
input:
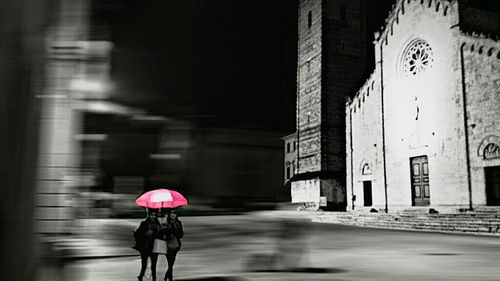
column 161, row 198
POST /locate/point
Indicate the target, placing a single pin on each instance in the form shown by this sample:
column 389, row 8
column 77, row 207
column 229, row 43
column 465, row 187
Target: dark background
column 225, row 62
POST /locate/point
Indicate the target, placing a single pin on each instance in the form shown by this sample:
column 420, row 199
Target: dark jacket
column 177, row 229
column 144, row 239
column 173, row 229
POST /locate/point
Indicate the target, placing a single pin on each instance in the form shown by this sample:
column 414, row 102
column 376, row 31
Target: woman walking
column 148, row 230
column 172, row 232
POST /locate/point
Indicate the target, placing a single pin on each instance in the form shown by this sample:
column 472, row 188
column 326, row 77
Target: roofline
column 289, row 136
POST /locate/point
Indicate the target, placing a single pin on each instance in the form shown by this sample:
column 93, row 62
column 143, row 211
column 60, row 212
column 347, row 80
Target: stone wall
column 309, row 86
column 423, row 112
column 332, row 61
column 364, row 133
column 309, row 100
column 306, row 191
column 482, row 86
column 344, row 68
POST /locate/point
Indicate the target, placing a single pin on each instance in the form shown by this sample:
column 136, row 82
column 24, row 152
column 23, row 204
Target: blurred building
column 22, row 68
column 128, row 154
column 77, row 82
column 70, row 147
column 238, row 165
column 423, row 130
column 222, row 166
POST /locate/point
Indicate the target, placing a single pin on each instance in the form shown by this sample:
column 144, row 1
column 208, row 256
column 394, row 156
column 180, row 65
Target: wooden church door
column 420, row 181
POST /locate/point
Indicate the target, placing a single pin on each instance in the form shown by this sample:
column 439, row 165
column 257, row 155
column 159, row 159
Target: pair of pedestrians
column 161, row 228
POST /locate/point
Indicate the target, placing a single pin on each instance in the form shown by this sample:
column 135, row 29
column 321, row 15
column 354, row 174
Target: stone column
column 58, row 152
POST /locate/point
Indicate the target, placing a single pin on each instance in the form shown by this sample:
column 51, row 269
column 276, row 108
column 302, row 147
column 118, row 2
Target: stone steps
column 478, row 223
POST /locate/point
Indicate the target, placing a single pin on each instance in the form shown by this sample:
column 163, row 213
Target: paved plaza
column 247, row 247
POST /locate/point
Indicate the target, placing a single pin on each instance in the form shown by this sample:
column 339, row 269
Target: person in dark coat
column 148, row 230
column 172, row 232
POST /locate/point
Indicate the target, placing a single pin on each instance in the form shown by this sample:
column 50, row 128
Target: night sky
column 227, row 62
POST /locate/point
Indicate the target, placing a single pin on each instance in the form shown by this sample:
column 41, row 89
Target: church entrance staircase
column 481, row 221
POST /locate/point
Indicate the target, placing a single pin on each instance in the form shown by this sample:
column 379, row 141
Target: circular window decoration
column 417, row 58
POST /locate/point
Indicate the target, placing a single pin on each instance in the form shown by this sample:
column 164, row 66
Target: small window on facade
column 343, row 12
column 287, row 147
column 288, row 172
column 309, row 20
column 294, row 145
column 365, row 170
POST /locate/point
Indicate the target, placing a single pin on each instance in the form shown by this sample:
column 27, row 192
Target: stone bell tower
column 332, row 63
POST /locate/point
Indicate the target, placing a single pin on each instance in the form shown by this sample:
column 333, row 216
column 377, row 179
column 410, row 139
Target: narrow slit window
column 309, row 20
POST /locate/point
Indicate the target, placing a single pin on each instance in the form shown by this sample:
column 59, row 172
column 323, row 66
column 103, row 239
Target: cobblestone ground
column 246, row 247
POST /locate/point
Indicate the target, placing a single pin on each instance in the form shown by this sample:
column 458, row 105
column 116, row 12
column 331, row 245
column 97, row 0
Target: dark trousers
column 144, row 263
column 170, row 261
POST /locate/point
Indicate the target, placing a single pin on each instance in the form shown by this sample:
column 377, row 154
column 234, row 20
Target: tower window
column 309, row 20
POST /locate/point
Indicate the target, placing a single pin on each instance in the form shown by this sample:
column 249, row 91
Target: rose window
column 417, row 58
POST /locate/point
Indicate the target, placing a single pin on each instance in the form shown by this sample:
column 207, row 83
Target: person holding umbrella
column 172, row 232
column 148, row 230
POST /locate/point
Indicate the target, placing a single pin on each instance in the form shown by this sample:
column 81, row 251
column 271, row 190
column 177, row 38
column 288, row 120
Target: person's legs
column 147, row 274
column 144, row 263
column 154, row 260
column 166, row 273
column 170, row 260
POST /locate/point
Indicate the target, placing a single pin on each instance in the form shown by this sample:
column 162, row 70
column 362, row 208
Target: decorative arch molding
column 365, row 168
column 489, row 147
column 480, row 43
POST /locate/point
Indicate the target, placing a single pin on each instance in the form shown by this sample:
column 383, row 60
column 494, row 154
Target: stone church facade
column 423, row 132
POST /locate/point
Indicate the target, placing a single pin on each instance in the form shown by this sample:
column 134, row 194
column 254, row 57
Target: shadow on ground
column 305, row 270
column 214, row 278
column 441, row 254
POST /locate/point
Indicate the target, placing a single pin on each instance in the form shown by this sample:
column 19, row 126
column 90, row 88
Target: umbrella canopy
column 161, row 198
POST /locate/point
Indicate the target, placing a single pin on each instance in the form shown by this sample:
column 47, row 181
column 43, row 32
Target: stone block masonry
column 331, row 61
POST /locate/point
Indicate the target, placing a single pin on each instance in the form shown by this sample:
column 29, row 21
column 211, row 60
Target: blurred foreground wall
column 22, row 28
